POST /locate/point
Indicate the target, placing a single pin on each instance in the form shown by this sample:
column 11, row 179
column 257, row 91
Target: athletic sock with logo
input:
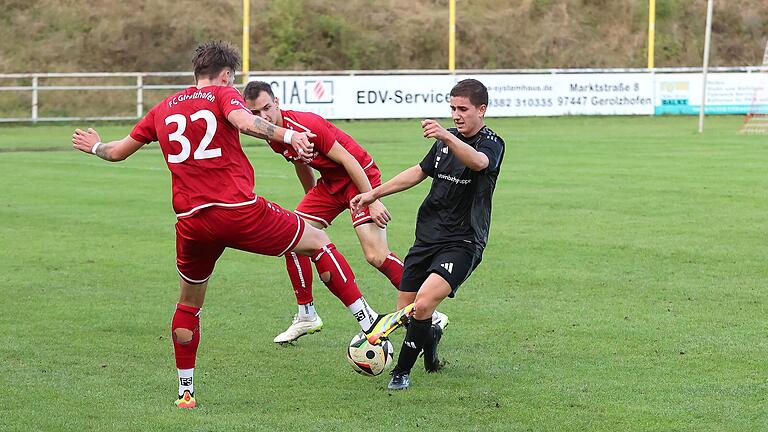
column 341, row 282
column 392, row 268
column 300, row 272
column 415, row 337
column 363, row 313
column 186, row 381
column 307, row 310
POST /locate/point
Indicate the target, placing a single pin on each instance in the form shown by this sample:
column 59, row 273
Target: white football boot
column 302, row 325
column 440, row 319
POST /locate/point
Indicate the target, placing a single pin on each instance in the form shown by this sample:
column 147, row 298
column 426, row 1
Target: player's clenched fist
column 303, row 147
column 433, row 129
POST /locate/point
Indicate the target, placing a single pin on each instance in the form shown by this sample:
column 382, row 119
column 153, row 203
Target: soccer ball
column 367, row 359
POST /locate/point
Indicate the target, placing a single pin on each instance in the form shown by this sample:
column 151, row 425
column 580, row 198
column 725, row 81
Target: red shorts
column 320, row 205
column 262, row 227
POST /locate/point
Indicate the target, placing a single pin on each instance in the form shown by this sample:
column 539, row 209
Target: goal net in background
column 756, row 121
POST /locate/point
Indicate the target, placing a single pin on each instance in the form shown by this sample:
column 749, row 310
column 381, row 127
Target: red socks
column 185, row 318
column 342, row 283
column 300, row 272
column 392, row 268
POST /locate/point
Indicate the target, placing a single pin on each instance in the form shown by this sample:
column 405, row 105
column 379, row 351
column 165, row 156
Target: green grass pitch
column 624, row 288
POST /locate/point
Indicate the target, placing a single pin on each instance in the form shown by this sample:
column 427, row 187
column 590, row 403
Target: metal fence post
column 139, row 96
column 34, row 98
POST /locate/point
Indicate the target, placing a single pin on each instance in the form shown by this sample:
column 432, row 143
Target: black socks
column 415, row 337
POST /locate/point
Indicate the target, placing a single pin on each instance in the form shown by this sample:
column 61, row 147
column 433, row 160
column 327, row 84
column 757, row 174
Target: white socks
column 185, row 381
column 307, row 311
column 363, row 313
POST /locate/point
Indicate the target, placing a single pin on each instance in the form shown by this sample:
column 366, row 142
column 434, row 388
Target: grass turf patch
column 622, row 288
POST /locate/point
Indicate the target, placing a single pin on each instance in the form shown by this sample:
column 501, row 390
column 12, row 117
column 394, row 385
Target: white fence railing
column 41, row 83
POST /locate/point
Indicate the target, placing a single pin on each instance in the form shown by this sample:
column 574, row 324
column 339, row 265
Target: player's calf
column 391, row 267
column 415, row 338
column 336, row 274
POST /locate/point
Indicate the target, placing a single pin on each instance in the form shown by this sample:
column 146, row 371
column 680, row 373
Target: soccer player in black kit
column 453, row 221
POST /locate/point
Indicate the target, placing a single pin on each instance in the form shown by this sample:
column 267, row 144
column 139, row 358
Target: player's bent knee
column 312, row 240
column 316, row 237
column 423, row 308
column 320, row 236
column 375, row 259
column 183, row 336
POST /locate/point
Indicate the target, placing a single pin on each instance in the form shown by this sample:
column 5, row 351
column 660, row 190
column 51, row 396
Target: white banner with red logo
column 512, row 95
column 419, row 96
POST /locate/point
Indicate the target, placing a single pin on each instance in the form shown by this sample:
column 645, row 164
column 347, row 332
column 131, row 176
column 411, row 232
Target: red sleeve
column 324, row 131
column 145, row 131
column 230, row 100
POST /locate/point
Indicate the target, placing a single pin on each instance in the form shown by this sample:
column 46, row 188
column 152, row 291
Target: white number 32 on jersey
column 202, row 151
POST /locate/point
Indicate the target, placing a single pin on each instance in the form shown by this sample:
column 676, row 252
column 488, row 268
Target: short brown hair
column 472, row 89
column 254, row 89
column 211, row 57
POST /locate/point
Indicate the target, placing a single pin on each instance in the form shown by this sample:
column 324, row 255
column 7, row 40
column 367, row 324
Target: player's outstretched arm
column 255, row 126
column 113, row 151
column 405, row 180
column 473, row 159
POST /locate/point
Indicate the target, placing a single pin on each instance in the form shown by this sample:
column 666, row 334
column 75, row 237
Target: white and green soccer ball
column 369, row 359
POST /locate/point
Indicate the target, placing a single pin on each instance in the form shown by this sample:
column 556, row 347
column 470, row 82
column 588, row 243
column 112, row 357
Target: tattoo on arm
column 101, row 152
column 262, row 129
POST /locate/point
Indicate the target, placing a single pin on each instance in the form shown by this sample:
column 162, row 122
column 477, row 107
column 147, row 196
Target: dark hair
column 254, row 89
column 472, row 89
column 211, row 57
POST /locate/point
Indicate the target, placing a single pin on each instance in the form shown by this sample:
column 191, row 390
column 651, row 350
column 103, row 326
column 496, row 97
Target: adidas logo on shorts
column 447, row 266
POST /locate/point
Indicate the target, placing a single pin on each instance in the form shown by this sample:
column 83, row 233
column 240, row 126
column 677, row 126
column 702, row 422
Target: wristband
column 95, row 146
column 287, row 136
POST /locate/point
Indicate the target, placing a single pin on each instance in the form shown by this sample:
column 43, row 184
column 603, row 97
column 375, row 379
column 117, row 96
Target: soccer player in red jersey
column 346, row 170
column 212, row 181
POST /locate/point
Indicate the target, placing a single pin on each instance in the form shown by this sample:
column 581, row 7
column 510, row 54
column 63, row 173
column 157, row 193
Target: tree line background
column 156, row 35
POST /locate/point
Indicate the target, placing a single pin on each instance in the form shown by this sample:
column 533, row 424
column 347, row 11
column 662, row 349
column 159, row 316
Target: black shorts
column 454, row 262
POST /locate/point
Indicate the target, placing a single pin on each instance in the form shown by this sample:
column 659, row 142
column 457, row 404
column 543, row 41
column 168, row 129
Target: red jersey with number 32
column 201, row 147
column 335, row 176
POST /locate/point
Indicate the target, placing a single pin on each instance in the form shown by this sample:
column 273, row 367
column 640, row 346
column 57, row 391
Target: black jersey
column 458, row 206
